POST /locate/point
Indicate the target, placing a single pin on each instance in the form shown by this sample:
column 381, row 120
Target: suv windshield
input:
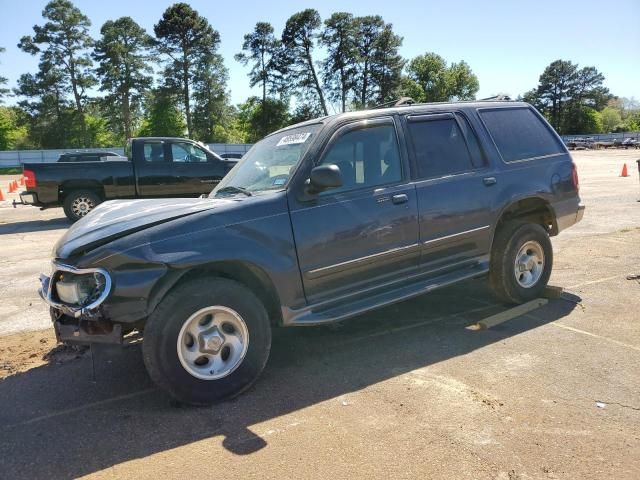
column 269, row 163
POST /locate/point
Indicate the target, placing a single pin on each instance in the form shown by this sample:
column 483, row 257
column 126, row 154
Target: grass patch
column 10, row 170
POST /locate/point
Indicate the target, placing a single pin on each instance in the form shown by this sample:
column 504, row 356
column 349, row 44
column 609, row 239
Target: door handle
column 399, row 198
column 488, row 181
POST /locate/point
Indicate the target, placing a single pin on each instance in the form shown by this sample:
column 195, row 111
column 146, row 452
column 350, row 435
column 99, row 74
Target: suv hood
column 117, row 218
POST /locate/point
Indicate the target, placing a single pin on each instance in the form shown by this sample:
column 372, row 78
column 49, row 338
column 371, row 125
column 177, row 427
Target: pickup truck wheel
column 208, row 340
column 80, row 202
column 521, row 262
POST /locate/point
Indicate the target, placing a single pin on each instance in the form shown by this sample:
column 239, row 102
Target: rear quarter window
column 519, row 134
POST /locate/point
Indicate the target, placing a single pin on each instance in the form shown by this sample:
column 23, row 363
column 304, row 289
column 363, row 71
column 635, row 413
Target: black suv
column 318, row 222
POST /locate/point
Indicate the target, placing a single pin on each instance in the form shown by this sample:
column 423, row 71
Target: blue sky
column 506, row 43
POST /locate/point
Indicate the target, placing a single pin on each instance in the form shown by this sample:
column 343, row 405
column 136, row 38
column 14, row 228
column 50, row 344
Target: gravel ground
column 406, row 391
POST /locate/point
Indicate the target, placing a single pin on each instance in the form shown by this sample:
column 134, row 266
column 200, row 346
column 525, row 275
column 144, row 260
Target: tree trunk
column 185, row 81
column 126, row 114
column 316, row 82
column 365, row 84
column 78, row 99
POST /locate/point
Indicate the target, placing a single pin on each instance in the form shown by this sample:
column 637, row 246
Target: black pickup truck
column 152, row 167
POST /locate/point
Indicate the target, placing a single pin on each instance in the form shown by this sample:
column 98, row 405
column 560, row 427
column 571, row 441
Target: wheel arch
column 532, row 209
column 248, row 274
column 71, row 186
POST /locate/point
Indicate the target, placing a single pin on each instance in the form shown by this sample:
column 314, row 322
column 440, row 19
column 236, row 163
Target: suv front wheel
column 208, row 340
column 521, row 262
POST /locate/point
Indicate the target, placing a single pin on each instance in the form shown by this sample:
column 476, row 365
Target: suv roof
column 406, row 109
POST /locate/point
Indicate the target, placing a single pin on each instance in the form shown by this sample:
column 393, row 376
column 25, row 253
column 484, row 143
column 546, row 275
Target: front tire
column 521, row 262
column 80, row 202
column 208, row 340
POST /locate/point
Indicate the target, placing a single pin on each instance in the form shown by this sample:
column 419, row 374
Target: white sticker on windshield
column 293, row 139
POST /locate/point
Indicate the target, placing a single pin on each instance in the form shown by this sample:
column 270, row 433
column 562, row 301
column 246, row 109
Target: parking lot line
column 600, row 280
column 82, row 407
column 577, row 330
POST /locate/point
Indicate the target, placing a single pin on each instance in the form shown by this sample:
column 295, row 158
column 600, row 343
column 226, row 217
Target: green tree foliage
column 185, row 37
column 387, row 65
column 298, row 39
column 368, row 30
column 162, row 118
column 13, row 128
column 262, row 48
column 432, row 80
column 252, row 113
column 211, row 115
column 564, row 92
column 339, row 65
column 63, row 44
column 3, row 81
column 611, row 119
column 124, row 71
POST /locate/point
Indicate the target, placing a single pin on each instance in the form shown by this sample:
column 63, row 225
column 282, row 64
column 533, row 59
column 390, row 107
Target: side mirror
column 324, row 177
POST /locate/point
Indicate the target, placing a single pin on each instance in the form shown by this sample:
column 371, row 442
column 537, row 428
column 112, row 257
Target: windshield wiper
column 231, row 188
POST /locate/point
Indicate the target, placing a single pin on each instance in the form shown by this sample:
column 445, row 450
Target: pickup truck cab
column 317, row 223
column 151, row 167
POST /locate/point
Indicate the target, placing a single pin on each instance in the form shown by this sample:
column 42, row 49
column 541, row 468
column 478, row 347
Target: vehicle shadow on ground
column 34, row 226
column 55, row 422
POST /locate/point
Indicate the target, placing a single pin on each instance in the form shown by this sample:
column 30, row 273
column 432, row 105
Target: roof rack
column 496, row 98
column 396, row 103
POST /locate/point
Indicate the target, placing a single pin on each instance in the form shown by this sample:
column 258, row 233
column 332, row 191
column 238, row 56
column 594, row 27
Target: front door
column 364, row 233
column 198, row 171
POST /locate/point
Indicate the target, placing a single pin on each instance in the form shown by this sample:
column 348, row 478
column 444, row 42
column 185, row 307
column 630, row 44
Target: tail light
column 574, row 177
column 29, row 179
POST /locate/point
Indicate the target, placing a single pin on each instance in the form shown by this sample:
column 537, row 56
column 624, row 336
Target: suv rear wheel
column 521, row 262
column 208, row 340
column 80, row 202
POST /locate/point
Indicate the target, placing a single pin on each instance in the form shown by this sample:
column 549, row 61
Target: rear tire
column 186, row 336
column 521, row 262
column 80, row 202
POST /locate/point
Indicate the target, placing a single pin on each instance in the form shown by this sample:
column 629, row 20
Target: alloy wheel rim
column 212, row 342
column 529, row 264
column 81, row 206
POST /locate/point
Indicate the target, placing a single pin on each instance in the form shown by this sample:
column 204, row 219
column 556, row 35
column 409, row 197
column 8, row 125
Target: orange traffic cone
column 21, row 180
column 624, row 171
column 1, row 196
column 11, row 189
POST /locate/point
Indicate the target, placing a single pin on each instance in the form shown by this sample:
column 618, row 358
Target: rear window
column 519, row 134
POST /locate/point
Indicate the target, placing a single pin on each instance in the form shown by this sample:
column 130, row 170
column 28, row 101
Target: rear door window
column 439, row 146
column 154, row 152
column 519, row 134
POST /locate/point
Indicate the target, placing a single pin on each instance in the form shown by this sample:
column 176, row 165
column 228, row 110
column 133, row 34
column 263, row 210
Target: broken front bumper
column 79, row 323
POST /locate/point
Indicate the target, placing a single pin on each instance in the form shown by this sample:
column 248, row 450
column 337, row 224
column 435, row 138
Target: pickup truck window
column 187, row 152
column 439, row 147
column 270, row 162
column 519, row 134
column 154, row 152
column 366, row 157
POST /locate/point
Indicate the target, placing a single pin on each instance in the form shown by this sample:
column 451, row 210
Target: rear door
column 364, row 233
column 453, row 189
column 156, row 176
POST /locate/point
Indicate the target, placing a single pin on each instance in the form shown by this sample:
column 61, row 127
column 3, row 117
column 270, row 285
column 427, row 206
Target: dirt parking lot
column 405, row 392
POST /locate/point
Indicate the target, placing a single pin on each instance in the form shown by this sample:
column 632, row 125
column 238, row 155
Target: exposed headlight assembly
column 79, row 289
column 75, row 291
